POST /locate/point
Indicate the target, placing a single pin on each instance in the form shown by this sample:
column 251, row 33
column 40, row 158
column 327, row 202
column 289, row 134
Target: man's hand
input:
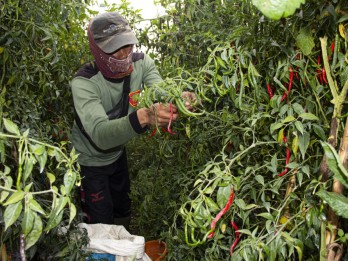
column 158, row 115
column 190, row 99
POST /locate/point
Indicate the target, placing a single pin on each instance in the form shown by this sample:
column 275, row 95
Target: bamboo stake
column 335, row 250
column 338, row 100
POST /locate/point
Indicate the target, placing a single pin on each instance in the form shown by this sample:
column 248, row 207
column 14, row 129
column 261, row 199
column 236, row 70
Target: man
column 104, row 120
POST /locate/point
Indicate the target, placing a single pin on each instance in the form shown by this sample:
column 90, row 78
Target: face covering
column 108, row 65
column 121, row 66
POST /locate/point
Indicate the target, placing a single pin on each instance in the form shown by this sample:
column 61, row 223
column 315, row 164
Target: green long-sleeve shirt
column 95, row 95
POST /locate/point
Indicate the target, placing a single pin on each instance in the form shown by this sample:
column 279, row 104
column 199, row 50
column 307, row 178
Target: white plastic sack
column 115, row 240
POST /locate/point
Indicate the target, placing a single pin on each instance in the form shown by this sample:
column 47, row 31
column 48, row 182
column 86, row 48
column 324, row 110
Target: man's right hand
column 158, row 115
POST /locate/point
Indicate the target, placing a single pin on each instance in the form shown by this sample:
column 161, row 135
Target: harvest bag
column 114, row 240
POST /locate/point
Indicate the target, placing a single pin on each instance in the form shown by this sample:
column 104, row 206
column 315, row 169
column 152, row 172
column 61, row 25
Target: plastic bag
column 115, row 240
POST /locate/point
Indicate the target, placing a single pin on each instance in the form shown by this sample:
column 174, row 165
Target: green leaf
column 42, row 159
column 335, row 164
column 276, row 9
column 299, row 126
column 266, row 215
column 288, row 119
column 35, row 232
column 28, row 167
column 308, row 116
column 53, row 221
column 276, row 126
column 260, row 179
column 337, row 202
column 8, row 185
column 27, row 221
column 57, row 213
column 11, row 127
column 14, row 198
column 303, row 143
column 211, row 205
column 305, row 41
column 12, row 213
column 37, row 149
column 297, row 108
column 319, row 131
column 73, row 212
column 223, row 194
column 51, row 177
column 35, row 206
column 208, row 190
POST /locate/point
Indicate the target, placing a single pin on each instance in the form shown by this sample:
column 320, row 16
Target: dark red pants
column 106, row 191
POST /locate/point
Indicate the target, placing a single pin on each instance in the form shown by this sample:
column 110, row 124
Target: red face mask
column 108, row 65
column 120, row 66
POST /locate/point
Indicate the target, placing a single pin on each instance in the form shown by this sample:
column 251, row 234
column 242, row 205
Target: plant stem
column 248, row 149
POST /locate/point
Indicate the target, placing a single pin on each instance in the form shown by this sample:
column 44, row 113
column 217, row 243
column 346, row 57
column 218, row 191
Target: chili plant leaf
column 305, row 41
column 280, row 136
column 42, row 159
column 223, row 195
column 12, row 213
column 303, row 143
column 35, row 232
column 288, row 119
column 308, row 116
column 69, row 180
column 298, row 108
column 319, row 131
column 266, row 216
column 276, row 126
column 211, row 205
column 51, row 177
column 11, row 127
column 28, row 167
column 335, row 164
column 35, row 206
column 337, row 202
column 27, row 221
column 2, row 151
column 72, row 212
column 57, row 213
column 294, row 145
column 54, row 220
column 299, row 126
column 276, row 9
column 14, row 198
column 8, row 184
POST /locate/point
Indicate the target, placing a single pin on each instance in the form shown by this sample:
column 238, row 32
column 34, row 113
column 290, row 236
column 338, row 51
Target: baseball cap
column 111, row 31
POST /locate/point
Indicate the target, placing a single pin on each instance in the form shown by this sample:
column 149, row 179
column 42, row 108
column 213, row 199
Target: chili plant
column 29, row 211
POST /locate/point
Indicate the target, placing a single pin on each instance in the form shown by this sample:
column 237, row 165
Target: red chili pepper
column 332, row 50
column 152, row 133
column 269, row 90
column 319, row 71
column 171, row 119
column 291, row 79
column 133, row 102
column 235, row 242
column 287, row 158
column 324, row 75
column 221, row 213
column 237, row 89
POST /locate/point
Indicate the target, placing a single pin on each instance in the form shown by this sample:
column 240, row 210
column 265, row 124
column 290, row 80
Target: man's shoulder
column 88, row 70
column 138, row 56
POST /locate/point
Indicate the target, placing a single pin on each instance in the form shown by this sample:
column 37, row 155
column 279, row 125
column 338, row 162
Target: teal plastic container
column 101, row 257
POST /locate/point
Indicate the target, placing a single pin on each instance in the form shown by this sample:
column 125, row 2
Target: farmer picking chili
column 102, row 91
